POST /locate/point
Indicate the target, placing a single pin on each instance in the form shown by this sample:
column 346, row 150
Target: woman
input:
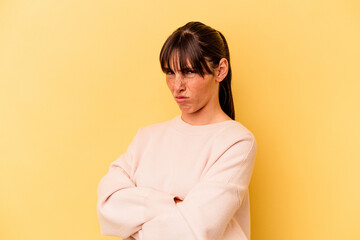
column 186, row 178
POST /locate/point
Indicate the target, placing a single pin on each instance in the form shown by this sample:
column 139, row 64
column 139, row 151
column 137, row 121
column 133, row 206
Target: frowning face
column 192, row 92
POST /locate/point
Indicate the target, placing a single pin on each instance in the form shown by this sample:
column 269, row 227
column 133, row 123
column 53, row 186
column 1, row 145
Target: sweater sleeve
column 123, row 207
column 210, row 205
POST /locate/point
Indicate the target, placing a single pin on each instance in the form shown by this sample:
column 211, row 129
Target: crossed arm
column 132, row 212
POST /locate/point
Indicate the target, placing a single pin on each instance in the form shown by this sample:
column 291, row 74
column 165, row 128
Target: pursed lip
column 180, row 99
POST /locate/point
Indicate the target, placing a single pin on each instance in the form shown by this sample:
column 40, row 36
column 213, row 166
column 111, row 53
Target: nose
column 179, row 84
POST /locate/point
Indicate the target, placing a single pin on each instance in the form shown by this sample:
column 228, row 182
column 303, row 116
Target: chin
column 189, row 110
column 186, row 111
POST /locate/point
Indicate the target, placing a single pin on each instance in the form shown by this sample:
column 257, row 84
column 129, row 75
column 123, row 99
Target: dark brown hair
column 202, row 47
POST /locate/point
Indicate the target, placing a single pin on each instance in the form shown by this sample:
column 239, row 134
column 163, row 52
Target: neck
column 205, row 116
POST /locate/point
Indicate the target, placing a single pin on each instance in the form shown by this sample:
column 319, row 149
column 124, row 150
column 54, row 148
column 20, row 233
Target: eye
column 169, row 72
column 189, row 73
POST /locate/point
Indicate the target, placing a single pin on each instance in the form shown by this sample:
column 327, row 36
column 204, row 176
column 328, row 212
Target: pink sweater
column 207, row 166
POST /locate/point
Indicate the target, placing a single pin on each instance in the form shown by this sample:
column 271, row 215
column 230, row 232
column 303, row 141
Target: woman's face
column 192, row 92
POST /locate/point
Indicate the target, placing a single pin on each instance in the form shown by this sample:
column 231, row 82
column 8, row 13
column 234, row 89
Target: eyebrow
column 167, row 69
column 183, row 70
column 187, row 69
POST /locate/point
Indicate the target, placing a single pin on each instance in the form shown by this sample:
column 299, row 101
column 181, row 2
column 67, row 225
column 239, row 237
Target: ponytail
column 225, row 94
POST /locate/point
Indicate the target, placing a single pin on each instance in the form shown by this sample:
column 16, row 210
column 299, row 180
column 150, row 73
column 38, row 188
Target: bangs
column 181, row 53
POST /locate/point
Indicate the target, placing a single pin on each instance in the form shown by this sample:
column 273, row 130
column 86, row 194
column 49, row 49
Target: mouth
column 180, row 99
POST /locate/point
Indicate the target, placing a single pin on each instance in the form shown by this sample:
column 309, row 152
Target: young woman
column 186, row 178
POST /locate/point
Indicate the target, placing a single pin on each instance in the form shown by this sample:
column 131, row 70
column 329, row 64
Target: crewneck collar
column 187, row 128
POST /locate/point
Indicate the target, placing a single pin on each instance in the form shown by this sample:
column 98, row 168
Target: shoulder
column 236, row 137
column 235, row 131
column 147, row 132
column 154, row 128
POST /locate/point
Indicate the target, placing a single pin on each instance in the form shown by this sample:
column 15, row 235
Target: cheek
column 199, row 87
column 169, row 84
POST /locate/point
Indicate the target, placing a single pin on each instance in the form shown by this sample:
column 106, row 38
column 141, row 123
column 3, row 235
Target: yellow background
column 78, row 78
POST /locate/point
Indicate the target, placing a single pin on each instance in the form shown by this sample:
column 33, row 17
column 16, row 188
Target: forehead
column 176, row 62
column 183, row 60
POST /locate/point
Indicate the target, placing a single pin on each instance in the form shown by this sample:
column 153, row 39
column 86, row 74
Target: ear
column 222, row 70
